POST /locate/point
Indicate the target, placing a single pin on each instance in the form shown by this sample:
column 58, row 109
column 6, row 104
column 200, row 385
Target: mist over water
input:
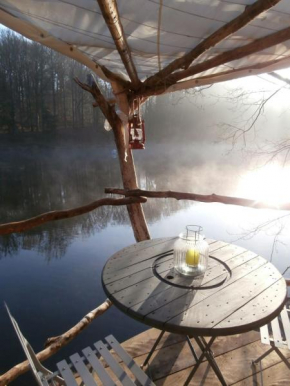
column 51, row 276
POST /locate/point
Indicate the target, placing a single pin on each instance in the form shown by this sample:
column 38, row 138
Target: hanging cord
column 158, row 35
column 138, row 104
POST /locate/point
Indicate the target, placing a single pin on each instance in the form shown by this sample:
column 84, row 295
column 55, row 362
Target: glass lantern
column 191, row 252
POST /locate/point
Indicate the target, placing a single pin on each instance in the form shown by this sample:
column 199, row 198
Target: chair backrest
column 26, row 347
column 39, row 371
column 44, row 377
column 277, row 331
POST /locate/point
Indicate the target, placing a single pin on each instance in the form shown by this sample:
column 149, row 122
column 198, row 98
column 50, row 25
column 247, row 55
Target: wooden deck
column 172, row 361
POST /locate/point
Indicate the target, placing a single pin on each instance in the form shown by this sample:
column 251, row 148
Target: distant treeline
column 37, row 90
column 38, row 94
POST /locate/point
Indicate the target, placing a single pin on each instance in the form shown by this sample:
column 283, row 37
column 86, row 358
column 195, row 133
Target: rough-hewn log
column 116, row 78
column 24, row 225
column 254, row 69
column 111, row 15
column 236, row 53
column 228, row 56
column 250, row 13
column 197, row 197
column 127, row 167
column 55, row 344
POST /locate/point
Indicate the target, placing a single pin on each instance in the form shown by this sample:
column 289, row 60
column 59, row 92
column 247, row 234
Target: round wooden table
column 251, row 297
column 239, row 292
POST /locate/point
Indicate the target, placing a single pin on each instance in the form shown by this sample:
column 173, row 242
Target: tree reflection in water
column 42, row 177
column 54, row 277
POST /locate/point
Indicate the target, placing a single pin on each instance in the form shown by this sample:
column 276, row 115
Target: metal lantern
column 136, row 129
column 191, row 252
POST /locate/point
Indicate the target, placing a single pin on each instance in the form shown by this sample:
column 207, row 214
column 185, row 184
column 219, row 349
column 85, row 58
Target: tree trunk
column 129, row 178
column 127, row 166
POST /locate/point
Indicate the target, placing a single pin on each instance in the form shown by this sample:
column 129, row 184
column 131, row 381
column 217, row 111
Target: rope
column 158, row 35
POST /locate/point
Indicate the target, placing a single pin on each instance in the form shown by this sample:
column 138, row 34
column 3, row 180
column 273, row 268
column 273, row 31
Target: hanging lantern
column 136, row 129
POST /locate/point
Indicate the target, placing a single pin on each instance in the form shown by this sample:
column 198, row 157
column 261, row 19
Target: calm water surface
column 51, row 276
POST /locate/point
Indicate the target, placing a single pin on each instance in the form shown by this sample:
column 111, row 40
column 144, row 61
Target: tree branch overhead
column 111, row 15
column 249, row 14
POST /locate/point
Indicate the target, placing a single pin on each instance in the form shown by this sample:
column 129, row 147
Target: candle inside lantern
column 192, row 257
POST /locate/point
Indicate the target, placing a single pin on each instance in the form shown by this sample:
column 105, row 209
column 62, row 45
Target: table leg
column 206, row 352
column 205, row 343
column 152, row 349
column 191, row 348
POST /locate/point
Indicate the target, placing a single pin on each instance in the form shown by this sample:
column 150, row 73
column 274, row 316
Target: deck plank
column 172, row 362
column 235, row 366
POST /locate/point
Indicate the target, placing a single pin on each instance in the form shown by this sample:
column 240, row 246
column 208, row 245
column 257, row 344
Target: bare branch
column 250, row 13
column 226, row 57
column 279, row 77
column 55, row 344
column 33, row 222
column 107, row 110
column 116, row 78
column 237, row 132
column 235, row 54
column 197, row 197
column 111, row 15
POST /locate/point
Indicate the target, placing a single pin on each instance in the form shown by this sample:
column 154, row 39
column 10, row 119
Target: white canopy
column 157, row 32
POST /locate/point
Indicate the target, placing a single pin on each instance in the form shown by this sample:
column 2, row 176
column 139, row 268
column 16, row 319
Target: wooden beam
column 235, row 54
column 255, row 69
column 197, row 197
column 111, row 15
column 250, row 13
column 228, row 56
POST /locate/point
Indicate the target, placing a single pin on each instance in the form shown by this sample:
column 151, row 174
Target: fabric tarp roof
column 77, row 29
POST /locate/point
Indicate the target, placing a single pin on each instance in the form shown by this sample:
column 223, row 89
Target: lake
column 50, row 276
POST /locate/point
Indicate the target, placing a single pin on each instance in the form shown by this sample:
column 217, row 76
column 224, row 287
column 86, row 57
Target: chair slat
column 98, row 367
column 278, row 341
column 265, row 334
column 286, row 325
column 66, row 373
column 82, row 369
column 120, row 373
column 129, row 361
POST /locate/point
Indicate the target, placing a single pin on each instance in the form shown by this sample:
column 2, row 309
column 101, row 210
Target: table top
column 249, row 298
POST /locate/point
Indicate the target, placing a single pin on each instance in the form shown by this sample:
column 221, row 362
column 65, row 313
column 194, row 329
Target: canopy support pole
column 127, row 166
column 126, row 161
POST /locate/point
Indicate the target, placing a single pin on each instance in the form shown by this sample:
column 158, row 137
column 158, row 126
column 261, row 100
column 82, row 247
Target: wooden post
column 127, row 166
column 128, row 173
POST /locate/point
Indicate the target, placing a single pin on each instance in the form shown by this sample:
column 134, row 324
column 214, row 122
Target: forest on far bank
column 37, row 90
column 38, row 94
